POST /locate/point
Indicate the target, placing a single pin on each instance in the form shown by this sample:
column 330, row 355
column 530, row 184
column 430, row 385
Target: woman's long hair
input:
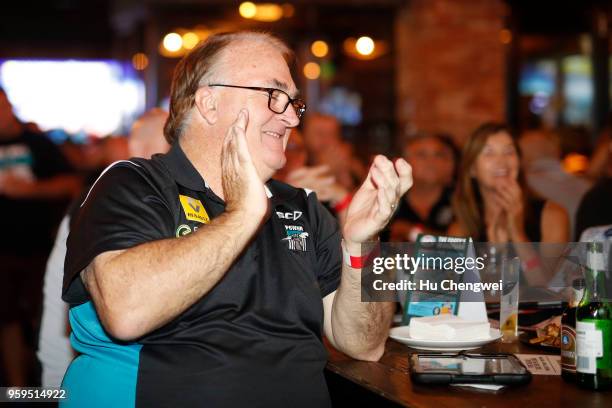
column 467, row 200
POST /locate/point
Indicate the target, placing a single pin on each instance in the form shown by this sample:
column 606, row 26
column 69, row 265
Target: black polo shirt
column 254, row 339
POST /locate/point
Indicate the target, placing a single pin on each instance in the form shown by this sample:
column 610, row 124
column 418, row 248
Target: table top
column 390, row 379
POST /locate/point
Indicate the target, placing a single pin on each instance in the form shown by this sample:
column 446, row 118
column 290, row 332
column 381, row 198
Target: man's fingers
column 384, row 205
column 377, row 177
column 404, row 172
column 386, row 167
column 383, row 187
column 392, row 182
column 238, row 129
column 319, row 170
column 242, row 120
column 227, row 150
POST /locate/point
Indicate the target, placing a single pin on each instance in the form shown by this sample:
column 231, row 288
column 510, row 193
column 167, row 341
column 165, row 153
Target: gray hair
column 198, row 68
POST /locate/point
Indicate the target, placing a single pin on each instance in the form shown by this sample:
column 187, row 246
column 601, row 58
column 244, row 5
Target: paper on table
column 448, row 327
column 541, row 364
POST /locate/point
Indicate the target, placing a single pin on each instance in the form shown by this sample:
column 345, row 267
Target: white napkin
column 448, row 327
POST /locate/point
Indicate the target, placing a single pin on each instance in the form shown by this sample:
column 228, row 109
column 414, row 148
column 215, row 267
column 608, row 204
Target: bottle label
column 568, row 348
column 590, row 351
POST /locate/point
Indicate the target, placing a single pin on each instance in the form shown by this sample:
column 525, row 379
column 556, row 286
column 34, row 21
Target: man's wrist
column 343, row 203
column 244, row 219
column 359, row 255
column 353, row 248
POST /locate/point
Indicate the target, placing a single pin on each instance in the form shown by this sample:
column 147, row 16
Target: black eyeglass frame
column 300, row 109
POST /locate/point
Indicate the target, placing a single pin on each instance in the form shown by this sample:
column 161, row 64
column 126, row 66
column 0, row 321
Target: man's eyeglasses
column 278, row 100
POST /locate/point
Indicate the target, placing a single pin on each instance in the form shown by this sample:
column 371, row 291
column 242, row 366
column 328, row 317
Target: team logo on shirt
column 183, row 230
column 296, row 237
column 194, row 209
column 291, row 215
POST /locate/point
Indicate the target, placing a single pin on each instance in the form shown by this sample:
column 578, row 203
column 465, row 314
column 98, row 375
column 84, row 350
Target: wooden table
column 389, row 379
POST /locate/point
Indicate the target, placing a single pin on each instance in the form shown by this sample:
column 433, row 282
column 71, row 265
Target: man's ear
column 206, row 103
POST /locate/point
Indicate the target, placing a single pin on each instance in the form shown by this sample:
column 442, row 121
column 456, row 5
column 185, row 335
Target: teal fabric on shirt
column 105, row 373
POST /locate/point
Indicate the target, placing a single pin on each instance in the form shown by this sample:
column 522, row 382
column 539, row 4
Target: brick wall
column 450, row 65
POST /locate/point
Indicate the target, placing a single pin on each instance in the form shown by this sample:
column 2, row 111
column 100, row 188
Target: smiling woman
column 491, row 201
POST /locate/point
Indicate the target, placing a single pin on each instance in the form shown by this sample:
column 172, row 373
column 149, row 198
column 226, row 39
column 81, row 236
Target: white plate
column 402, row 334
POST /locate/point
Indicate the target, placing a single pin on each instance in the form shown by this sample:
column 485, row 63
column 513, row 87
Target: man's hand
column 376, row 199
column 242, row 188
column 319, row 180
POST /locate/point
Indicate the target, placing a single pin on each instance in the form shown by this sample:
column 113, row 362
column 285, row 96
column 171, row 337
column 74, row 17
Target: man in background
column 544, row 173
column 36, row 184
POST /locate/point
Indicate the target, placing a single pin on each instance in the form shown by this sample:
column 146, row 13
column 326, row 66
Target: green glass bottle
column 594, row 326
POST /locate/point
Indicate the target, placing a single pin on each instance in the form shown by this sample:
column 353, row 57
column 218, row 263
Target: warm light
column 268, row 12
column 173, row 42
column 140, row 61
column 288, row 10
column 319, row 48
column 505, row 36
column 575, row 163
column 354, row 49
column 202, row 32
column 190, row 40
column 247, row 9
column 312, row 70
column 364, row 45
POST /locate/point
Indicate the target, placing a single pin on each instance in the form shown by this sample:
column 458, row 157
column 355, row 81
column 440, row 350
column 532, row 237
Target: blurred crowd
column 497, row 187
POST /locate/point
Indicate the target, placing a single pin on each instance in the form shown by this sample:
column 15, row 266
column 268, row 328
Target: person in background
column 54, row 350
column 596, row 206
column 594, row 209
column 492, row 204
column 541, row 161
column 325, row 147
column 36, row 183
column 426, row 207
column 600, row 165
column 318, row 179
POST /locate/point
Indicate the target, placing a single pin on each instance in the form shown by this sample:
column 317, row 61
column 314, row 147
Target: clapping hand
column 243, row 190
column 375, row 201
column 510, row 197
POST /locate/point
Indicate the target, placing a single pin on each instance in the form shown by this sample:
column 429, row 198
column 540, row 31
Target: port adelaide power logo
column 296, row 237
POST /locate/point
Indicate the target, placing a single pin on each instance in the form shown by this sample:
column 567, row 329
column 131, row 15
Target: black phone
column 463, row 368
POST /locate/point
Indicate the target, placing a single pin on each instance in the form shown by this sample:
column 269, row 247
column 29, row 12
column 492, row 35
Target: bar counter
column 389, row 380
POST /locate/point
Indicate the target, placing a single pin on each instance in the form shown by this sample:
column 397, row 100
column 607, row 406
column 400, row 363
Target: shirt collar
column 182, row 169
column 185, row 173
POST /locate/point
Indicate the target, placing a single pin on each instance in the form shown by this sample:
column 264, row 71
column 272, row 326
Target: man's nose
column 290, row 117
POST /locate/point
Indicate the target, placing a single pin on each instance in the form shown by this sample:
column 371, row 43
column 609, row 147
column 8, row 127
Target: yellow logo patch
column 194, row 209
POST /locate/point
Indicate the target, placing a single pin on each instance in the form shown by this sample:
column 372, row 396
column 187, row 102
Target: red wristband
column 344, row 203
column 360, row 262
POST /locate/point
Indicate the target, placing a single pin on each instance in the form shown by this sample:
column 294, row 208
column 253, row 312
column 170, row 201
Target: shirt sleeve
column 122, row 209
column 327, row 247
